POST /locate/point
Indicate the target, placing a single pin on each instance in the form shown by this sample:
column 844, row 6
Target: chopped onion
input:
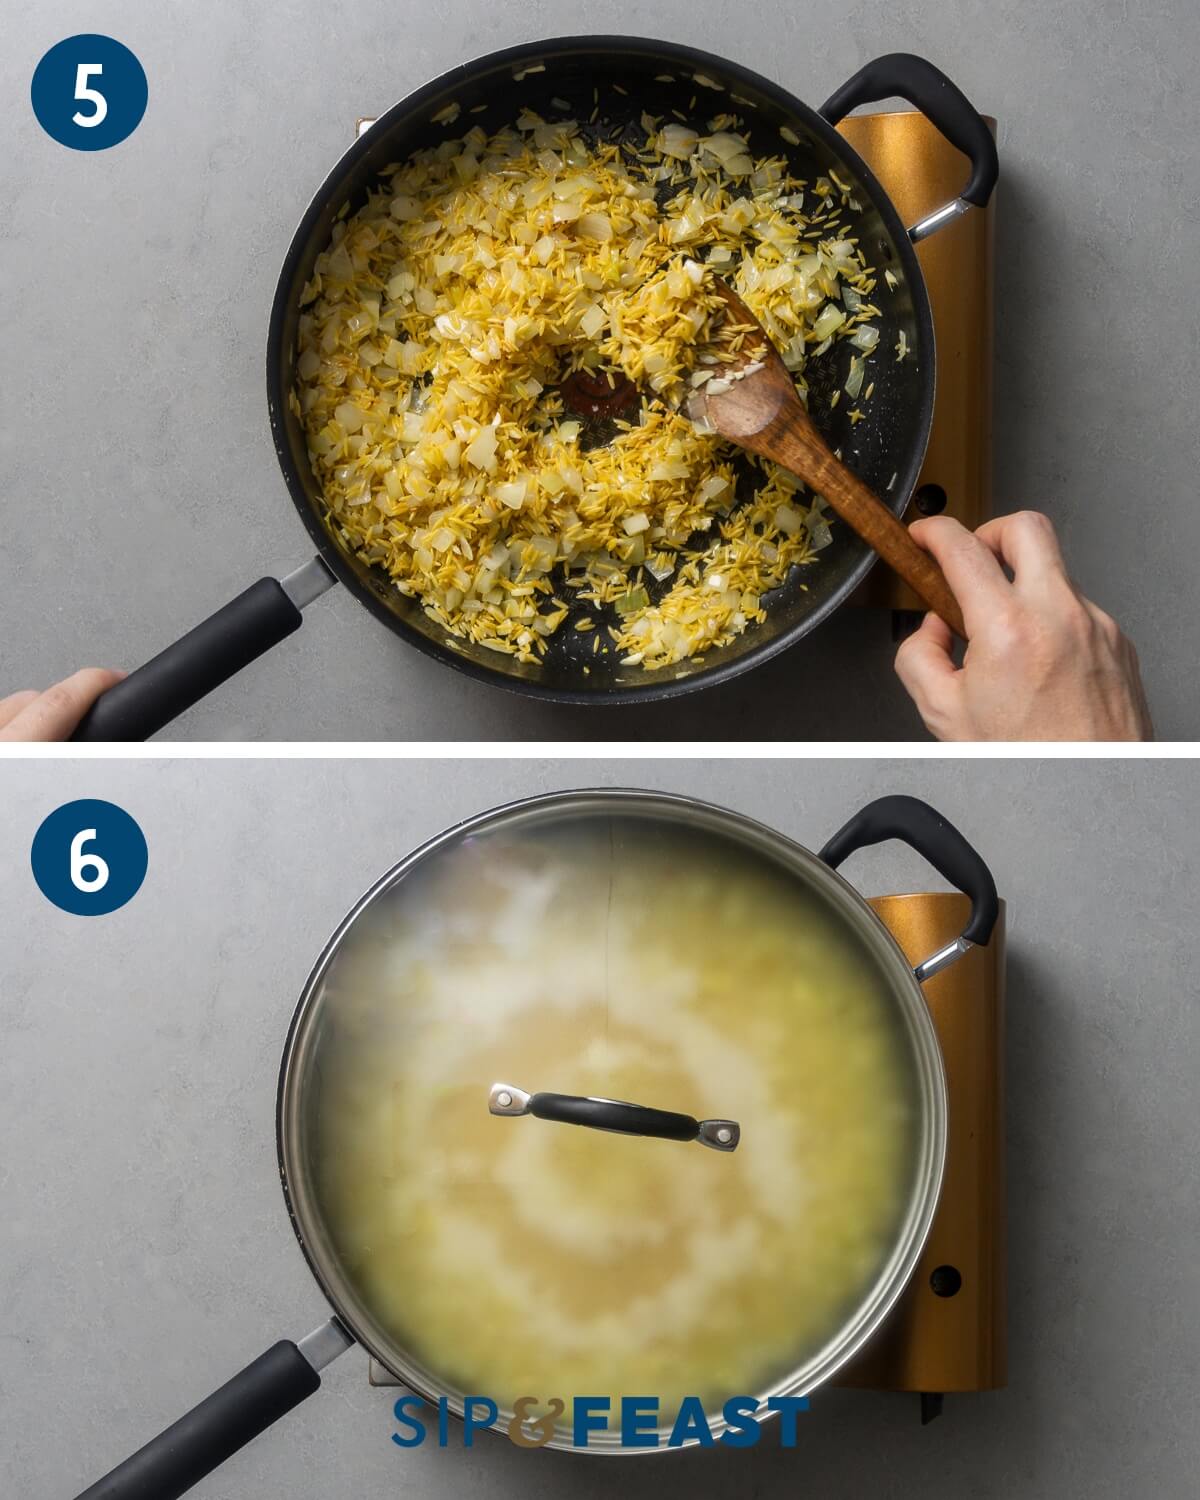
column 634, row 600
column 512, row 494
column 482, row 451
column 830, row 320
column 819, row 534
column 724, row 145
column 788, row 520
column 677, row 141
column 593, row 320
column 671, row 469
column 595, row 227
column 711, row 488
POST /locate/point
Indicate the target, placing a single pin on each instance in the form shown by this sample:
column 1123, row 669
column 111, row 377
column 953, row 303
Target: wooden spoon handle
column 862, row 510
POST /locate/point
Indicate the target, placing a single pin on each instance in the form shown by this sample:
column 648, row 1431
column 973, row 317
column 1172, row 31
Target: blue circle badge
column 89, row 92
column 89, row 857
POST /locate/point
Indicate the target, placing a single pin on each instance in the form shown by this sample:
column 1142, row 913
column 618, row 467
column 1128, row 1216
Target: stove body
column 948, row 1332
column 918, row 168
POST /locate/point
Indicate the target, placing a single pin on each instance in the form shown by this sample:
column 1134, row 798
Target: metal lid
column 603, row 947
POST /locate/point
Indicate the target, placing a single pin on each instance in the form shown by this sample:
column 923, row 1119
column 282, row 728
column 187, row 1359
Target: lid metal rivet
column 505, row 1099
column 724, row 1134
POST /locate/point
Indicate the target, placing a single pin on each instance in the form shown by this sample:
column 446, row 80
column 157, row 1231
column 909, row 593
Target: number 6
column 81, row 862
column 93, row 96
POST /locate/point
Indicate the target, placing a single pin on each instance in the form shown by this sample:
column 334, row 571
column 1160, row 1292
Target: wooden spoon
column 756, row 406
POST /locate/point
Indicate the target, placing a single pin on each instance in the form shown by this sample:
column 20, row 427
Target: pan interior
column 623, row 957
column 621, row 80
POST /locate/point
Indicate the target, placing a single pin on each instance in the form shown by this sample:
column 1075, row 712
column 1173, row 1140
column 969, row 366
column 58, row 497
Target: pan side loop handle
column 902, row 75
column 919, row 826
column 267, row 1389
column 208, row 655
column 614, row 1115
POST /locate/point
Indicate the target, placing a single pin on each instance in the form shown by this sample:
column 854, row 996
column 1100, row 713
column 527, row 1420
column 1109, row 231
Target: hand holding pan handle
column 903, row 76
column 210, row 654
column 614, row 1114
column 267, row 1389
column 916, row 824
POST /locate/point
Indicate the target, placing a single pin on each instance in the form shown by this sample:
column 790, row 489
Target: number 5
column 81, row 862
column 93, row 96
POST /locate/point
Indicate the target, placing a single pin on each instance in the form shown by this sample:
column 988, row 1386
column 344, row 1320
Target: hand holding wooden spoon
column 755, row 404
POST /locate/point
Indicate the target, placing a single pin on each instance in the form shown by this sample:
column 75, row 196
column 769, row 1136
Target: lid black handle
column 614, row 1114
column 917, row 824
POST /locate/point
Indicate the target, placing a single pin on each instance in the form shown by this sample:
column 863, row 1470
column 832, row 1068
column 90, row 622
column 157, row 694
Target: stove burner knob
column 930, row 499
column 945, row 1281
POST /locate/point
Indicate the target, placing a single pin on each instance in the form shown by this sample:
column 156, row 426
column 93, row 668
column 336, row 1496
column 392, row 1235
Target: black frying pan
column 628, row 76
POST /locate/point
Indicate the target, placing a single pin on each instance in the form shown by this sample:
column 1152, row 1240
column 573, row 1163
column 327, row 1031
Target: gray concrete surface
column 144, row 1248
column 140, row 487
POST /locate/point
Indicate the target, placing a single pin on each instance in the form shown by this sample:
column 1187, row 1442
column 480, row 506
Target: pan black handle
column 210, row 654
column 916, row 824
column 210, row 1433
column 901, row 75
column 615, row 1115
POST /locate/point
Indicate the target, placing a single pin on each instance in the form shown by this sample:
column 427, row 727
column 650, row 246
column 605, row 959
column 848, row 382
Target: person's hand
column 54, row 714
column 1042, row 662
